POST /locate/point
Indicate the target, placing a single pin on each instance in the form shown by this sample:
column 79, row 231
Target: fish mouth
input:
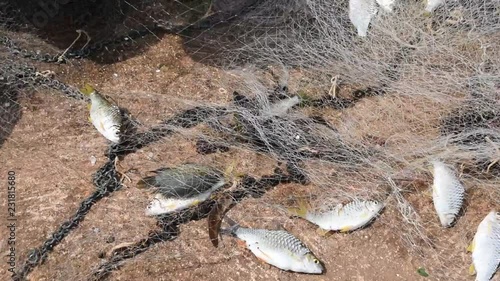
column 447, row 220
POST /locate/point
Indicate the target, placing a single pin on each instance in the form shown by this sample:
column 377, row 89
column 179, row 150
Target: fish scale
column 447, row 192
column 361, row 13
column 347, row 217
column 281, row 239
column 486, row 247
column 105, row 116
column 277, row 247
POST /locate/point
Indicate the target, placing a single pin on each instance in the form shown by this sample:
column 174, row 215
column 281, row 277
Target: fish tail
column 233, row 226
column 146, row 182
column 302, row 210
column 216, row 216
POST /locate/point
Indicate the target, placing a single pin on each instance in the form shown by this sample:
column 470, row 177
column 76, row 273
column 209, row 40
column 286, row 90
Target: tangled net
column 370, row 113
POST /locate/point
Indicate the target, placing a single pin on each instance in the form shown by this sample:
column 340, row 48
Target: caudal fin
column 216, row 216
column 233, row 226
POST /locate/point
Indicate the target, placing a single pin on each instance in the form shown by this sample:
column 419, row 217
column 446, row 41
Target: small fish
column 447, row 193
column 105, row 116
column 485, row 248
column 361, row 13
column 344, row 218
column 181, row 187
column 277, row 247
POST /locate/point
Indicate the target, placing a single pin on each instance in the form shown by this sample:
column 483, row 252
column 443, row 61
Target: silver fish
column 278, row 248
column 485, row 248
column 447, row 193
column 180, row 187
column 344, row 218
column 361, row 13
column 105, row 116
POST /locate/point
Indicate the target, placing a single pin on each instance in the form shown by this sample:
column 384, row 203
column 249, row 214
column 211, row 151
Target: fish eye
column 316, row 261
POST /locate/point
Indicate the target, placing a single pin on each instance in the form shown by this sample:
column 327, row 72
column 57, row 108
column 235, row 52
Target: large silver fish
column 447, row 193
column 278, row 248
column 344, row 218
column 485, row 248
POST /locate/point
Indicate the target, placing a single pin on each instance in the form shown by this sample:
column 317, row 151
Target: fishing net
column 283, row 94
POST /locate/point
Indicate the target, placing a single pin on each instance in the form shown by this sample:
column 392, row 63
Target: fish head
column 87, row 89
column 159, row 206
column 447, row 219
column 374, row 206
column 310, row 264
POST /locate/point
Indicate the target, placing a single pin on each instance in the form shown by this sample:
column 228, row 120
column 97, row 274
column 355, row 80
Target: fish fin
column 90, row 119
column 214, row 222
column 471, row 246
column 215, row 217
column 146, row 182
column 241, row 244
column 89, row 105
column 265, row 255
column 472, row 269
column 195, row 202
column 157, row 171
column 233, row 226
column 262, row 261
column 323, row 232
column 101, row 125
column 301, row 211
column 345, row 229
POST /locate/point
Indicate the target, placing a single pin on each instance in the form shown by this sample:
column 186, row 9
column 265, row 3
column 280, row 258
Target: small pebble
column 93, row 160
column 110, row 239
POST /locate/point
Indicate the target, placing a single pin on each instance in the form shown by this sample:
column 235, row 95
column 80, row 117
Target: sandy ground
column 52, row 147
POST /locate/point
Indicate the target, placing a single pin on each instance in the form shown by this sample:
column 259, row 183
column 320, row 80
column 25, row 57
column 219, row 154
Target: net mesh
column 284, row 92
